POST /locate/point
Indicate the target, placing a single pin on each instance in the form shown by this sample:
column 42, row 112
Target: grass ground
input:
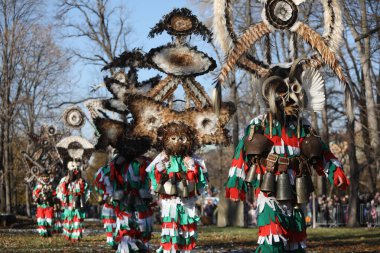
column 211, row 239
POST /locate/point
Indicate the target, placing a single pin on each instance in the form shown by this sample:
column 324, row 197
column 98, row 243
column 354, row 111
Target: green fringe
column 276, row 247
column 269, row 215
column 179, row 239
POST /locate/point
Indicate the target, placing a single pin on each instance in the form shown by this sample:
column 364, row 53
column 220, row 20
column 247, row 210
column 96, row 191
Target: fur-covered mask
column 289, row 93
column 176, row 139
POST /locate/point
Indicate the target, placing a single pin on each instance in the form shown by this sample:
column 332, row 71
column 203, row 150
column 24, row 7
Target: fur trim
column 333, row 24
column 181, row 22
column 74, row 117
column 221, row 23
column 316, row 42
column 65, row 142
column 149, row 115
column 134, row 58
column 181, row 60
column 250, row 36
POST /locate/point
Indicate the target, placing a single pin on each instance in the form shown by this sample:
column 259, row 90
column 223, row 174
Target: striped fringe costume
column 179, row 217
column 134, row 220
column 57, row 227
column 282, row 227
column 45, row 210
column 103, row 188
column 73, row 215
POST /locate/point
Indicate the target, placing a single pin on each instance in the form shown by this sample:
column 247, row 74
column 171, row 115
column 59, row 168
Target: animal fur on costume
column 176, row 139
column 189, row 24
column 222, row 25
column 118, row 135
column 250, row 36
column 149, row 115
column 181, row 60
column 333, row 25
column 316, row 41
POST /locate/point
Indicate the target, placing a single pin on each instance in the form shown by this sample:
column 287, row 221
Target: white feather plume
column 313, row 84
column 298, row 2
column 221, row 34
column 333, row 25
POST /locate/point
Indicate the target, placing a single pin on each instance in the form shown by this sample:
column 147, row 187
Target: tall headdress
column 74, row 147
column 152, row 106
column 301, row 76
column 42, row 156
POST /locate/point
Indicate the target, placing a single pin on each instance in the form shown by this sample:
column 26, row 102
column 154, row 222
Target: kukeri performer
column 44, row 195
column 276, row 156
column 73, row 192
column 124, row 188
column 105, row 191
column 280, row 150
column 178, row 177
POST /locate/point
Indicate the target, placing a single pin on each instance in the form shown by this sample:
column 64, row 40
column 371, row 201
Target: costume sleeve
column 331, row 167
column 236, row 186
column 201, row 180
column 154, row 170
column 102, row 182
column 62, row 190
column 36, row 192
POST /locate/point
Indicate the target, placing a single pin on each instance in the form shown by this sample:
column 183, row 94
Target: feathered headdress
column 282, row 15
column 153, row 107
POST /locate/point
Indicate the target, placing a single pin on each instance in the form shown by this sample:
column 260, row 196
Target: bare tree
column 100, row 22
column 16, row 17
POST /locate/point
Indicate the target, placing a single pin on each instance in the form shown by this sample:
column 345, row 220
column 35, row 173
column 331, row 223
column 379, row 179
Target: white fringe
column 334, row 35
column 220, row 32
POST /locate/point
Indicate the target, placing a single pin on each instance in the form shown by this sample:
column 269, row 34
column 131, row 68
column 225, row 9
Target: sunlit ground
column 211, row 239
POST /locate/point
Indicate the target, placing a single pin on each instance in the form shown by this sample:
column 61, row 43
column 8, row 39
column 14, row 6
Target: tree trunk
column 235, row 118
column 7, row 169
column 27, row 201
column 354, row 178
column 371, row 107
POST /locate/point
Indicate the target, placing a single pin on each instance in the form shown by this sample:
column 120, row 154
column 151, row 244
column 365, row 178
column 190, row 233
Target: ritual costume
column 122, row 184
column 44, row 170
column 43, row 195
column 73, row 190
column 176, row 131
column 280, row 150
column 105, row 190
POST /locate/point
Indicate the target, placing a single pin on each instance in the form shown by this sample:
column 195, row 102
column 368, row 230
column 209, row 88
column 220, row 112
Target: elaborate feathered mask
column 282, row 15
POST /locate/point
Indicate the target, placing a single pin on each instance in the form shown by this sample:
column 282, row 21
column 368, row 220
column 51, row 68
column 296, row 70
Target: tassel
column 270, row 125
column 217, row 98
column 349, row 103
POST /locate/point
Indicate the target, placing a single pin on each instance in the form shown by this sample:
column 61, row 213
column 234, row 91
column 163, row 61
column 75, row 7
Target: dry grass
column 211, row 239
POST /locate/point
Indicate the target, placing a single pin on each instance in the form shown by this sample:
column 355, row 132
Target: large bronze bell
column 258, row 145
column 284, row 189
column 311, row 147
column 160, row 189
column 268, row 183
column 251, row 173
column 302, row 189
column 183, row 190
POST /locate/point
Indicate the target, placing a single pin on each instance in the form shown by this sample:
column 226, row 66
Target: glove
column 340, row 180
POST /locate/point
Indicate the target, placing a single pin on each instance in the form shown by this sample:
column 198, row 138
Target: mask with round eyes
column 74, row 165
column 282, row 95
column 45, row 179
column 176, row 139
